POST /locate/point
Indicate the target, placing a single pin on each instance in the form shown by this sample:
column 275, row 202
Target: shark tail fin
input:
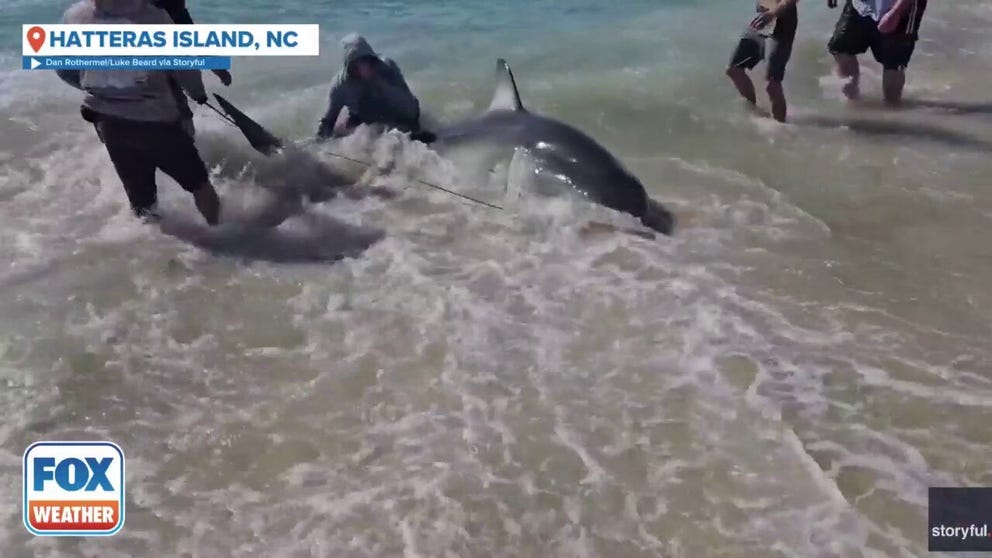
column 506, row 96
column 259, row 138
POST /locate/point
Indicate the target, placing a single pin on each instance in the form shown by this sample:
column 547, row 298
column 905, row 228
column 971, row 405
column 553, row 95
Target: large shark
column 564, row 156
column 559, row 152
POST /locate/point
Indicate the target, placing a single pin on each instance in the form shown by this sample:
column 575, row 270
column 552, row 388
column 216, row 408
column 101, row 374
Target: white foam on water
column 333, row 373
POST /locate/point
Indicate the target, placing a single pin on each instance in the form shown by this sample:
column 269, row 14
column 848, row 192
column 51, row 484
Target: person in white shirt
column 890, row 28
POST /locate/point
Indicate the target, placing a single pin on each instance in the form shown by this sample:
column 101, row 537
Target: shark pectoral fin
column 506, row 96
column 520, row 174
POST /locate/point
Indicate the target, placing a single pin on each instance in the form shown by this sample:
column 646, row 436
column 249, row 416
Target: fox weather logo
column 73, row 488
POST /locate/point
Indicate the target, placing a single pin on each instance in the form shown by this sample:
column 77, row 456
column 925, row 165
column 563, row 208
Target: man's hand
column 831, row 4
column 378, row 81
column 224, row 75
column 888, row 24
column 762, row 19
column 891, row 20
column 201, row 100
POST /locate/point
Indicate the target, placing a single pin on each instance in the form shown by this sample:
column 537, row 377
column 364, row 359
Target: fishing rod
column 223, row 115
column 231, row 121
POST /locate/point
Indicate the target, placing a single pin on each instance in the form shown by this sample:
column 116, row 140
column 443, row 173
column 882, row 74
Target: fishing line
column 230, row 121
column 220, row 113
column 425, row 183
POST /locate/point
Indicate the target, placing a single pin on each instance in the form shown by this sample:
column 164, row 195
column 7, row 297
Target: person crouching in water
column 373, row 90
column 142, row 117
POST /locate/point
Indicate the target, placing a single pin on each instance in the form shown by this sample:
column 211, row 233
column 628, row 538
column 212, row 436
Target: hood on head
column 120, row 7
column 355, row 47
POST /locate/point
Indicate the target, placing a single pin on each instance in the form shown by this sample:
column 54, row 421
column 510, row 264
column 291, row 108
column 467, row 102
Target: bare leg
column 208, row 203
column 777, row 96
column 847, row 67
column 893, row 82
column 743, row 84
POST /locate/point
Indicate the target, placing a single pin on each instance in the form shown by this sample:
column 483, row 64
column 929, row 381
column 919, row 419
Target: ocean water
column 423, row 377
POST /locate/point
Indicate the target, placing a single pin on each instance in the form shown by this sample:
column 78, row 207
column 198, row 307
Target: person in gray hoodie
column 142, row 116
column 373, row 90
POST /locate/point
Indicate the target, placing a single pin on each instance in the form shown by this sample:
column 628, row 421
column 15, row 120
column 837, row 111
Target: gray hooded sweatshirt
column 147, row 96
column 387, row 101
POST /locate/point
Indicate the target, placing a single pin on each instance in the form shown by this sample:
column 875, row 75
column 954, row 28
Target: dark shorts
column 754, row 48
column 855, row 34
column 137, row 149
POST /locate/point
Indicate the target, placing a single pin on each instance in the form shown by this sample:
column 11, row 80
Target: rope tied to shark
column 267, row 144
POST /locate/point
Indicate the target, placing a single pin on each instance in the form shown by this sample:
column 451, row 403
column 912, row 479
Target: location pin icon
column 36, row 38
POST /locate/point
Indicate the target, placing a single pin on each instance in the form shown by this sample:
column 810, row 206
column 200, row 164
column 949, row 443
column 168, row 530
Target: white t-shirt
column 874, row 9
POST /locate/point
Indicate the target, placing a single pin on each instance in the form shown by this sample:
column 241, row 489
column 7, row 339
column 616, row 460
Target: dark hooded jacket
column 386, row 101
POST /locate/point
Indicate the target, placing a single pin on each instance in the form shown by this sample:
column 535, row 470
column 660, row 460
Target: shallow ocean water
column 424, row 377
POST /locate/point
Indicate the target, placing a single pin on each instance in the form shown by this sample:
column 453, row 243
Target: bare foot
column 756, row 110
column 688, row 219
column 595, row 227
column 851, row 90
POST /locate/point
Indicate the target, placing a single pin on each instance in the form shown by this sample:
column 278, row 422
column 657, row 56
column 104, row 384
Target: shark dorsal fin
column 506, row 96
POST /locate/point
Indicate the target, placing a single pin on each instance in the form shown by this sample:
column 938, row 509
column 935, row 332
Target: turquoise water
column 784, row 377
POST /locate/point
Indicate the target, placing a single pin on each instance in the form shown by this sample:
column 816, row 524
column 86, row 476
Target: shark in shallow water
column 559, row 152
